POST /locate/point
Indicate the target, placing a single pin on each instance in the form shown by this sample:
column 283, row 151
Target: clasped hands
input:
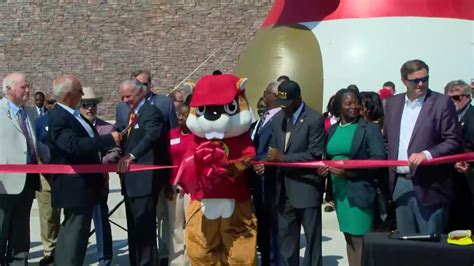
column 273, row 155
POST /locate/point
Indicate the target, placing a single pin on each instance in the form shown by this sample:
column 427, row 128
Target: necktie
column 262, row 121
column 131, row 120
column 289, row 127
column 23, row 122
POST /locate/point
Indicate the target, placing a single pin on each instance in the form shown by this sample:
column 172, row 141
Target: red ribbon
column 356, row 164
column 202, row 170
column 219, row 167
column 73, row 169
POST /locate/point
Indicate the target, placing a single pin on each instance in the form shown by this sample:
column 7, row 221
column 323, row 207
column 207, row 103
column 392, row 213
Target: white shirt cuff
column 132, row 156
column 428, row 155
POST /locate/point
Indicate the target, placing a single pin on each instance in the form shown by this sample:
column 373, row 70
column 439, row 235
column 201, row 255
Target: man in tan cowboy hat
column 88, row 109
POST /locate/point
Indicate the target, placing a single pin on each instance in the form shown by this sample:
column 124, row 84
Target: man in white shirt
column 420, row 125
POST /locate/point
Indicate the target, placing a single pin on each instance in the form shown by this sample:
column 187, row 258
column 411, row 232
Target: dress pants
column 49, row 218
column 103, row 233
column 15, row 224
column 163, row 224
column 412, row 217
column 177, row 209
column 73, row 236
column 141, row 223
column 290, row 220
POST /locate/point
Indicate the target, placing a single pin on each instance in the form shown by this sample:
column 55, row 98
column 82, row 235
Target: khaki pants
column 49, row 218
column 222, row 241
column 177, row 219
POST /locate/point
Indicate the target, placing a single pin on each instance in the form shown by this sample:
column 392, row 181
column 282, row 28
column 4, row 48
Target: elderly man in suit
column 420, row 125
column 18, row 144
column 264, row 188
column 462, row 209
column 103, row 233
column 166, row 106
column 143, row 144
column 73, row 140
column 298, row 136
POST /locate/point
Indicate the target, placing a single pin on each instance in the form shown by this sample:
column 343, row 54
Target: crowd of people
column 415, row 126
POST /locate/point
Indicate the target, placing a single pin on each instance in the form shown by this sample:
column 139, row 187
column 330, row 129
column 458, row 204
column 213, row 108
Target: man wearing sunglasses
column 462, row 209
column 420, row 125
column 88, row 109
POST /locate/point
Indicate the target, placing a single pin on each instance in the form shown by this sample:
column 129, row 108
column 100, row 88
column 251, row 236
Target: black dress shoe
column 46, row 260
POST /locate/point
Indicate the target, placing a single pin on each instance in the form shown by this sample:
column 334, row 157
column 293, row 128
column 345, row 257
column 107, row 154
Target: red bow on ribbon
column 201, row 171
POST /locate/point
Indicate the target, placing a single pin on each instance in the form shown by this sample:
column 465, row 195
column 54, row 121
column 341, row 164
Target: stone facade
column 102, row 41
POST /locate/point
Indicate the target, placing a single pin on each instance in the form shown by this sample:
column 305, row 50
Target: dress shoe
column 46, row 260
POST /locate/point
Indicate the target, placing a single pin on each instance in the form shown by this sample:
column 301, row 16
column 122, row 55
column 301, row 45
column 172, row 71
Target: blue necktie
column 23, row 122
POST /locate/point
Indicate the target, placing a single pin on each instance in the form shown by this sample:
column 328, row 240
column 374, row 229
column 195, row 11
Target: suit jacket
column 437, row 131
column 69, row 143
column 148, row 144
column 41, row 125
column 304, row 188
column 164, row 103
column 367, row 144
column 103, row 128
column 14, row 147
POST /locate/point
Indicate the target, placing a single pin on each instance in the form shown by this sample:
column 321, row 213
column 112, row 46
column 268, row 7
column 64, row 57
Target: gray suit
column 299, row 190
column 16, row 190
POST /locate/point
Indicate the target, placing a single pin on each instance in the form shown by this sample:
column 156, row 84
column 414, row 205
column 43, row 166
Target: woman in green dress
column 354, row 190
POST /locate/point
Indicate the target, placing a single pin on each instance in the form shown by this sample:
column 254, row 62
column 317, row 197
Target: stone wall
column 102, row 41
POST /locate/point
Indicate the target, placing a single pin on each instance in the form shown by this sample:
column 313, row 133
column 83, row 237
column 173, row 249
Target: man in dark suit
column 462, row 209
column 40, row 99
column 263, row 189
column 143, row 144
column 73, row 140
column 420, row 125
column 298, row 136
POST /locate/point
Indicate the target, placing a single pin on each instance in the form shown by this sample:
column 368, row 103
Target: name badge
column 175, row 141
column 136, row 126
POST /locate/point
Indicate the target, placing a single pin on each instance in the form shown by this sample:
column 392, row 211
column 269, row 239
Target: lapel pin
column 302, row 120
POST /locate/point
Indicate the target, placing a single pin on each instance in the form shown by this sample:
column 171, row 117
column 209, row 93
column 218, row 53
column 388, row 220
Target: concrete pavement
column 334, row 247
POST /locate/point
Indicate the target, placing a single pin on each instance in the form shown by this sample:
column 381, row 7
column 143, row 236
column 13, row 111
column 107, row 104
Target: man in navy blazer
column 420, row 125
column 73, row 140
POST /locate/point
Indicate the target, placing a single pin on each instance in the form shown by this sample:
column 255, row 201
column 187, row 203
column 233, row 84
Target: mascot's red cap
column 215, row 90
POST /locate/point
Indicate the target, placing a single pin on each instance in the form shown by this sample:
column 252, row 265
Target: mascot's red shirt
column 204, row 173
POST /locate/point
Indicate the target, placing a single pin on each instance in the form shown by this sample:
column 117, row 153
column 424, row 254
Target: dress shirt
column 411, row 110
column 14, row 110
column 463, row 111
column 296, row 114
column 41, row 111
column 270, row 115
column 79, row 118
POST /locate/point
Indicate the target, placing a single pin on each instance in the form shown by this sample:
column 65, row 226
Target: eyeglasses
column 89, row 105
column 457, row 98
column 417, row 81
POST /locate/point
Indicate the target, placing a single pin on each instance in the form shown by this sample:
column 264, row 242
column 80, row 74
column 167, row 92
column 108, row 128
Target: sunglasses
column 89, row 105
column 417, row 81
column 457, row 98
